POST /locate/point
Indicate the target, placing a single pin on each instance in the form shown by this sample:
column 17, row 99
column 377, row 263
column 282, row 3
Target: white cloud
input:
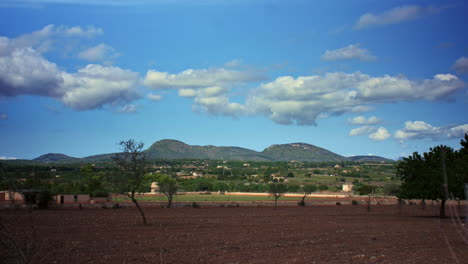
column 198, row 78
column 394, row 89
column 422, row 130
column 129, row 109
column 42, row 40
column 154, row 97
column 364, row 130
column 3, row 116
column 7, row 158
column 395, row 15
column 90, row 31
column 362, row 120
column 95, row 85
column 24, row 71
column 380, row 135
column 209, row 88
column 461, row 65
column 348, row 53
column 101, row 52
column 302, row 100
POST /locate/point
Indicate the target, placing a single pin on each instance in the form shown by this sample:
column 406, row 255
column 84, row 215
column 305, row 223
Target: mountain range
column 174, row 149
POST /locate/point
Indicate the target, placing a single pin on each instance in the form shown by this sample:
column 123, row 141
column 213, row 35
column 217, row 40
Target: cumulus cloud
column 461, row 65
column 198, row 78
column 389, row 88
column 101, row 52
column 209, row 88
column 379, row 135
column 395, row 15
column 41, row 40
column 94, row 86
column 422, row 130
column 362, row 120
column 374, row 133
column 154, row 97
column 364, row 130
column 3, row 116
column 24, row 71
column 348, row 53
column 301, row 100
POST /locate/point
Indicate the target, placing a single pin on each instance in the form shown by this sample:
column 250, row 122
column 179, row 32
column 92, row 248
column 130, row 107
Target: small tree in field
column 368, row 190
column 131, row 162
column 277, row 190
column 168, row 186
column 307, row 189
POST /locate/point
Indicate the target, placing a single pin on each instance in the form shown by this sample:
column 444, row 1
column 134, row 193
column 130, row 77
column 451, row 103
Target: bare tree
column 131, row 162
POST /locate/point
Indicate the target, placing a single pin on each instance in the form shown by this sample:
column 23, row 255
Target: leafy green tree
column 131, row 162
column 168, row 186
column 438, row 174
column 277, row 190
column 306, row 190
column 391, row 189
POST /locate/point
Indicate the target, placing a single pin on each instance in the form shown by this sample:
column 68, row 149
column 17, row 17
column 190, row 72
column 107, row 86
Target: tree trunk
column 368, row 204
column 132, row 197
column 400, row 204
column 169, row 201
column 276, row 200
column 423, row 204
column 442, row 209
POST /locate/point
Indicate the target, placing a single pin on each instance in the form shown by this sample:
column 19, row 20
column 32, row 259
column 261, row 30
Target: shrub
column 195, row 205
column 43, row 199
column 338, row 203
column 354, row 202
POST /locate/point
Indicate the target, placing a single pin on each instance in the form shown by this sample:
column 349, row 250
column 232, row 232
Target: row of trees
column 440, row 174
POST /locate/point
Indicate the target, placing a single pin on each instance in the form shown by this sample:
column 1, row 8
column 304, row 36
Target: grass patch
column 207, row 198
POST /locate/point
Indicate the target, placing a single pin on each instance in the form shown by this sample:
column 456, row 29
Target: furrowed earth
column 287, row 234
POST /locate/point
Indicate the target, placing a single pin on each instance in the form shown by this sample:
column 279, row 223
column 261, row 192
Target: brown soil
column 289, row 234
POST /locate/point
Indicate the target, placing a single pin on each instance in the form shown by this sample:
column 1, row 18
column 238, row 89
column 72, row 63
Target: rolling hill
column 174, row 149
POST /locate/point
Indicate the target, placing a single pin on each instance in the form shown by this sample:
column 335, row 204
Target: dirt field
column 289, row 234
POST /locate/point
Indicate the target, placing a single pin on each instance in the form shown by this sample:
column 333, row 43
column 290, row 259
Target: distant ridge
column 55, row 157
column 301, row 152
column 175, row 149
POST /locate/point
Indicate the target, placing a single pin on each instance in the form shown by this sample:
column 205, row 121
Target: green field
column 209, row 198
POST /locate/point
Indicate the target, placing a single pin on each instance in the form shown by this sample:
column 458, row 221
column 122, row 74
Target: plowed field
column 289, row 234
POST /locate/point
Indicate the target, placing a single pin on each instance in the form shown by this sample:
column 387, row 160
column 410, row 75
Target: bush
column 301, row 203
column 354, row 202
column 43, row 199
column 338, row 203
column 195, row 205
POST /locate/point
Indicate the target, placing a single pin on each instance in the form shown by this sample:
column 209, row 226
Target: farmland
column 289, row 234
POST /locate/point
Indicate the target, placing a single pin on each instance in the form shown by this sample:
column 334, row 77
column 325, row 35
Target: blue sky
column 363, row 77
